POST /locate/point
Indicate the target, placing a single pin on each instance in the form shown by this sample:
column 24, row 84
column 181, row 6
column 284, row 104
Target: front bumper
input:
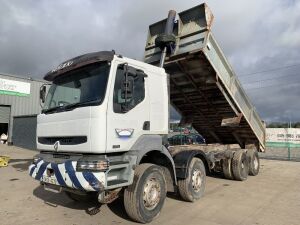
column 65, row 175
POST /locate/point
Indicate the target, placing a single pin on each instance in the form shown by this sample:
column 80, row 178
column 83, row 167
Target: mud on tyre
column 192, row 187
column 240, row 165
column 226, row 166
column 144, row 198
column 253, row 160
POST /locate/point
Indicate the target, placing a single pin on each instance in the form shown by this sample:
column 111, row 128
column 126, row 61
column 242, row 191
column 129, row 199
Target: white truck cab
column 102, row 114
column 86, row 110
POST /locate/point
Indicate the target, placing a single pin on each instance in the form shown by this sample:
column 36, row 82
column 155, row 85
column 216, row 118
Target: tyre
column 144, row 198
column 240, row 166
column 81, row 197
column 253, row 160
column 226, row 166
column 192, row 188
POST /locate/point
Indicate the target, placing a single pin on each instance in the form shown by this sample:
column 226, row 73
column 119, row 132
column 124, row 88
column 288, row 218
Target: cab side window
column 129, row 89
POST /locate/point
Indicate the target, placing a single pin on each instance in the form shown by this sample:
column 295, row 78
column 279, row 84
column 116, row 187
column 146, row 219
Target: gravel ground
column 272, row 197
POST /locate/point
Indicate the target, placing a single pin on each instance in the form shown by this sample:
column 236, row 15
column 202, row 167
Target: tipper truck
column 103, row 129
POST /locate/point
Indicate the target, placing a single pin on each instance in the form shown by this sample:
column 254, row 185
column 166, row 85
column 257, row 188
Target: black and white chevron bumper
column 65, row 175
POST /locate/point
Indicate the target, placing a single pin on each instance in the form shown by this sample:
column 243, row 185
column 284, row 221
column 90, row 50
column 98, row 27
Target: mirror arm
column 41, row 100
column 126, row 87
column 42, row 94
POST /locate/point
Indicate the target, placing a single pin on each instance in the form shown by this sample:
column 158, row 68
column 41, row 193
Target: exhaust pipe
column 167, row 39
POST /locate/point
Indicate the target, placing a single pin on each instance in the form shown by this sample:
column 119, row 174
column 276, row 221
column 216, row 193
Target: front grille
column 75, row 140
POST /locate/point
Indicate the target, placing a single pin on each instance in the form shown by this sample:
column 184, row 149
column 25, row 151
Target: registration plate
column 50, row 180
column 52, row 187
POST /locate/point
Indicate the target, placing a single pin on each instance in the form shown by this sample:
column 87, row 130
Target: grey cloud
column 35, row 36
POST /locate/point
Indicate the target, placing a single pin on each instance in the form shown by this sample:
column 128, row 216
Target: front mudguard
column 183, row 159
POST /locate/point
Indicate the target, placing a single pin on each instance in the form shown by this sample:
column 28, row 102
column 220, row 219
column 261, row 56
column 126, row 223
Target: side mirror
column 43, row 93
column 127, row 87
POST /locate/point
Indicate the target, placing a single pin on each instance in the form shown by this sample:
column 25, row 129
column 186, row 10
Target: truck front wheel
column 192, row 188
column 144, row 198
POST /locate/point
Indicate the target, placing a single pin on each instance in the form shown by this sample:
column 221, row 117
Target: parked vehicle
column 105, row 118
column 181, row 139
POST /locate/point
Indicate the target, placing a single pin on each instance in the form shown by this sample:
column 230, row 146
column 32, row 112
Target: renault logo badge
column 56, row 145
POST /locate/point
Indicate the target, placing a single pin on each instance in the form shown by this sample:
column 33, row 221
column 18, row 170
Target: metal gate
column 4, row 114
column 24, row 131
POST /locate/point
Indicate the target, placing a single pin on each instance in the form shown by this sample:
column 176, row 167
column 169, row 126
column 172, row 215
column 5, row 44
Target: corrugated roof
column 23, row 77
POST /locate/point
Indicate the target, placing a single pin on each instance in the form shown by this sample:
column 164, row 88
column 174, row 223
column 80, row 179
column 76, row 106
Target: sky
column 260, row 38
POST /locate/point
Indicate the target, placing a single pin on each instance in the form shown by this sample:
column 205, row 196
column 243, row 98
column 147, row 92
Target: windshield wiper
column 70, row 106
column 53, row 109
column 78, row 104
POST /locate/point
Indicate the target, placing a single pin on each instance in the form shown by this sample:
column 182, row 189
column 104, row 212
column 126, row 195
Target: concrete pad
column 272, row 197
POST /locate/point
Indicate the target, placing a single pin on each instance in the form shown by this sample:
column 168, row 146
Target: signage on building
column 13, row 87
column 283, row 137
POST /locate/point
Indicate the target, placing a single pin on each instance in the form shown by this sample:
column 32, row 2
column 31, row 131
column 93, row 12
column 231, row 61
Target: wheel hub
column 151, row 194
column 255, row 161
column 196, row 180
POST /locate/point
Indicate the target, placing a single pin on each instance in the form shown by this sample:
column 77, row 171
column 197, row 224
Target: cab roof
column 79, row 61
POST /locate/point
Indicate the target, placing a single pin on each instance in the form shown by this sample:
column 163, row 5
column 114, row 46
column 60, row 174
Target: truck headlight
column 102, row 165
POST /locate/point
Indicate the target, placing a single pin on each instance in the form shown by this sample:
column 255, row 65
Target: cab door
column 128, row 114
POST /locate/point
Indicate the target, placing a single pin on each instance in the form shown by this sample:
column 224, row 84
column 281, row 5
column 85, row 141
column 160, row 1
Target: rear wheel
column 240, row 165
column 253, row 160
column 192, row 188
column 226, row 166
column 144, row 198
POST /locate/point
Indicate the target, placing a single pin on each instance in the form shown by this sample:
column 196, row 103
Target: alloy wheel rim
column 255, row 162
column 151, row 193
column 196, row 180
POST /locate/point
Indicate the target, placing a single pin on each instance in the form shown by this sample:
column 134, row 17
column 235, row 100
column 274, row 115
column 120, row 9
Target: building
column 19, row 105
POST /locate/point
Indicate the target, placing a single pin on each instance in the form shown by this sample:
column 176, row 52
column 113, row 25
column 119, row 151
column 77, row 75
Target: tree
column 283, row 125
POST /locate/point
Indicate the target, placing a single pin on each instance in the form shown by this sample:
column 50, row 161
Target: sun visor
column 79, row 61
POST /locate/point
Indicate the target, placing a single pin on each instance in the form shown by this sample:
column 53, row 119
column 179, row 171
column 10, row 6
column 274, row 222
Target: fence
column 282, row 143
column 292, row 154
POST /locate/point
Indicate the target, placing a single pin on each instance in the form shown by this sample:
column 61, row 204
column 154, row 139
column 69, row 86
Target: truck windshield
column 82, row 87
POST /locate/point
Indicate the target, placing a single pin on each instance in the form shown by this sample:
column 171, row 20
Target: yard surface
column 272, row 197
